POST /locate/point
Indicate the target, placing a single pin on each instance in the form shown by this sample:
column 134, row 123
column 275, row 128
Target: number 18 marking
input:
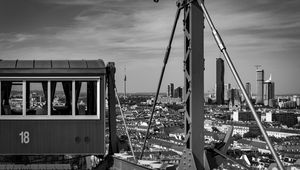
column 25, row 139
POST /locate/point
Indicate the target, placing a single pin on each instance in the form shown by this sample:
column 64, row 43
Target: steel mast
column 193, row 22
column 222, row 47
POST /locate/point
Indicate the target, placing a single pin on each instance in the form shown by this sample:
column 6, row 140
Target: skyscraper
column 269, row 92
column 178, row 92
column 248, row 89
column 235, row 99
column 227, row 88
column 171, row 90
column 220, row 81
column 259, row 86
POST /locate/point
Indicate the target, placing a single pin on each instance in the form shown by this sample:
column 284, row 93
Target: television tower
column 125, row 83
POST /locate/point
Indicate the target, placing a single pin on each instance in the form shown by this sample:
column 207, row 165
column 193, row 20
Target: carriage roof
column 52, row 67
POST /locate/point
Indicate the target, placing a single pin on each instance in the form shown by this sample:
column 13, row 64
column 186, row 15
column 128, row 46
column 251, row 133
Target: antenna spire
column 125, row 79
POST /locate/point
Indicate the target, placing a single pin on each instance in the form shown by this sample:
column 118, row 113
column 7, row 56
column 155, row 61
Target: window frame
column 48, row 116
column 25, row 89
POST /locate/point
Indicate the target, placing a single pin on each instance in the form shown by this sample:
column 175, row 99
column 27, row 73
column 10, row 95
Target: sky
column 134, row 34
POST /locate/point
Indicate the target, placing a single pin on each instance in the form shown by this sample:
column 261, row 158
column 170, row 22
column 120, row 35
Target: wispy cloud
column 74, row 2
column 265, row 21
column 135, row 33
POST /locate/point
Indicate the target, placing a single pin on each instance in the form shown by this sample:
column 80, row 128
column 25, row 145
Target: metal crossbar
column 124, row 121
column 167, row 54
column 222, row 47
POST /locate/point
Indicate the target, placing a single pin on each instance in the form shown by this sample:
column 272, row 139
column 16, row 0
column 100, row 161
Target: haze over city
column 134, row 34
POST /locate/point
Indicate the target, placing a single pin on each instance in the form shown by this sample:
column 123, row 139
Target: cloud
column 76, row 2
column 129, row 34
column 262, row 25
column 135, row 33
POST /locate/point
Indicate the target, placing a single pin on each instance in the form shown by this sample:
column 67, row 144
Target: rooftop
column 51, row 67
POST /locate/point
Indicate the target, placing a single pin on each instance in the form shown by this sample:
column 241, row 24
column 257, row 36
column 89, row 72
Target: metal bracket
column 216, row 154
column 110, row 69
column 183, row 3
column 187, row 160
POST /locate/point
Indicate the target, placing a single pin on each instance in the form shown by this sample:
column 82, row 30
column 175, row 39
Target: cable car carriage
column 52, row 107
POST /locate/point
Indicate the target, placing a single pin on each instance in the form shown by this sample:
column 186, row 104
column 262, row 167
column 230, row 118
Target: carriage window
column 76, row 98
column 36, row 98
column 61, row 97
column 11, row 98
column 86, row 97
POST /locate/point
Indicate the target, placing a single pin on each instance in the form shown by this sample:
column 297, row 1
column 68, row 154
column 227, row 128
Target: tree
column 251, row 134
column 237, row 137
column 214, row 129
column 254, row 132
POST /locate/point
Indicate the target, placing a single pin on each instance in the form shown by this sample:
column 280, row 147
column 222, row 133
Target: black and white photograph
column 149, row 84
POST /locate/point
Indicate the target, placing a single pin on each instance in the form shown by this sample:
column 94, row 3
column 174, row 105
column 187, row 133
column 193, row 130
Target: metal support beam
column 110, row 71
column 167, row 54
column 194, row 81
column 222, row 48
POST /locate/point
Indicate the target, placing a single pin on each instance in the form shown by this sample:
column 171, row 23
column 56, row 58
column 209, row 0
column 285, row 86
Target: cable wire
column 167, row 54
column 124, row 121
column 222, row 47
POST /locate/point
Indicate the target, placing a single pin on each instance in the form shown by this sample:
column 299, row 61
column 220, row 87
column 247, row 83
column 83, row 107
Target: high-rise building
column 227, row 88
column 259, row 86
column 178, row 92
column 220, row 81
column 171, row 90
column 248, row 89
column 269, row 92
column 235, row 99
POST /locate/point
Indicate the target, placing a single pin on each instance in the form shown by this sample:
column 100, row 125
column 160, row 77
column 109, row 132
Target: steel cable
column 222, row 47
column 167, row 54
column 124, row 121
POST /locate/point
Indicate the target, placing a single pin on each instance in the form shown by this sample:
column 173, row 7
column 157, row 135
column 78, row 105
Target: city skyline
column 135, row 34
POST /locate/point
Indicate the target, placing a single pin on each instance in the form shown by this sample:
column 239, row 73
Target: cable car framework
column 194, row 14
column 195, row 156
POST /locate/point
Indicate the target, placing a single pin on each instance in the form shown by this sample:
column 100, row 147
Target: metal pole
column 238, row 80
column 126, row 129
column 194, row 82
column 231, row 159
column 167, row 54
column 110, row 68
column 125, row 79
